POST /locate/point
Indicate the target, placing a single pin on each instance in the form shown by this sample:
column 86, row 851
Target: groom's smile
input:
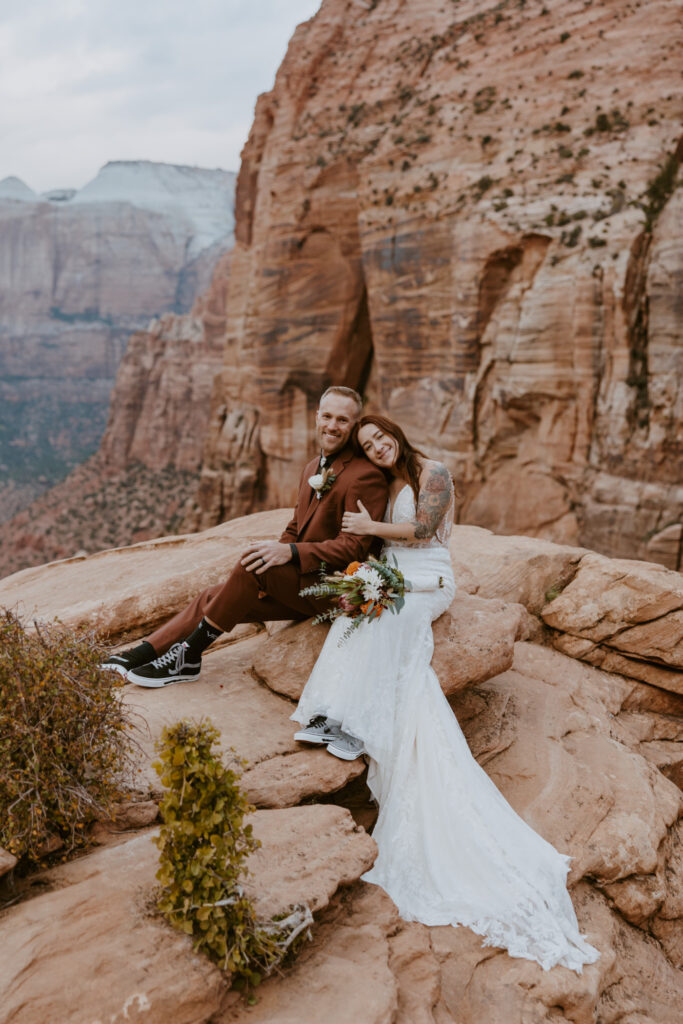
column 334, row 422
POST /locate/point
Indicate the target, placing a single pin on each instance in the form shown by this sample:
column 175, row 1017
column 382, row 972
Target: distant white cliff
column 204, row 198
column 79, row 271
column 14, row 188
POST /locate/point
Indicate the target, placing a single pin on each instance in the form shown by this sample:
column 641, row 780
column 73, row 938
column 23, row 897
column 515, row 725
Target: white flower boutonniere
column 321, row 482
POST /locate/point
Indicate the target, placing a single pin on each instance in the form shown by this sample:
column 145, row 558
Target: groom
column 265, row 584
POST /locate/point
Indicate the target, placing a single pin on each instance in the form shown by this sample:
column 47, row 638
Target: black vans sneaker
column 168, row 668
column 134, row 657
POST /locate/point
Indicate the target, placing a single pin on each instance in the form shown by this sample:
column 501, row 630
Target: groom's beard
column 329, row 455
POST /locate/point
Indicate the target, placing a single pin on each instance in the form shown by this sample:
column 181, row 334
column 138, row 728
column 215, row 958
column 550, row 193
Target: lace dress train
column 451, row 850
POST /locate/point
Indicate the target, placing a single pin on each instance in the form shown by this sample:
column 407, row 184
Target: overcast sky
column 87, row 81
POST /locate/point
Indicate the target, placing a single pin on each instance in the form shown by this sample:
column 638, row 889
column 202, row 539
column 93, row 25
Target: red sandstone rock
column 523, row 570
column 255, row 727
column 92, row 950
column 443, row 205
column 134, row 589
column 588, row 757
column 626, row 616
column 473, row 641
column 289, row 779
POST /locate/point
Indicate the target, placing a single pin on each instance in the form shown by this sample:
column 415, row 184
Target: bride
column 451, row 849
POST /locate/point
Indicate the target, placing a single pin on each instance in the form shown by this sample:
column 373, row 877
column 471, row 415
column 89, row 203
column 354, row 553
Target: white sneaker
column 347, row 747
column 320, row 730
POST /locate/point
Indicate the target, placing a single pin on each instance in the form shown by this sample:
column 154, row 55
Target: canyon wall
column 468, row 211
column 79, row 271
column 141, row 481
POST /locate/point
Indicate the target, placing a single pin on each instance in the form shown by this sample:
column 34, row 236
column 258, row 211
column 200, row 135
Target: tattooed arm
column 434, row 499
column 432, row 505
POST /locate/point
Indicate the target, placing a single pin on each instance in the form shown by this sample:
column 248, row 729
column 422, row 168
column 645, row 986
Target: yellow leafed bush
column 204, row 846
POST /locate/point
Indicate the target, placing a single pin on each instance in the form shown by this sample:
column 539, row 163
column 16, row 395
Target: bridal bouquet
column 361, row 591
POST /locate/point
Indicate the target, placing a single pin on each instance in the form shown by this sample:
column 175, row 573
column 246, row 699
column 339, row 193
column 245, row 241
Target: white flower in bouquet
column 372, row 591
column 368, row 575
column 316, row 481
column 360, row 592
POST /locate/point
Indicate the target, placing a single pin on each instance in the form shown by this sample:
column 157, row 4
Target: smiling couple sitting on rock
column 266, row 583
column 451, row 850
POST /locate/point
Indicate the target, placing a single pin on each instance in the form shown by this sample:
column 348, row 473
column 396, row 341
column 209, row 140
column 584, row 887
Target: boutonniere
column 321, row 482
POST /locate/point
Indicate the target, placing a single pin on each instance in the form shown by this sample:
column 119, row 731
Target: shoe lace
column 174, row 656
column 316, row 721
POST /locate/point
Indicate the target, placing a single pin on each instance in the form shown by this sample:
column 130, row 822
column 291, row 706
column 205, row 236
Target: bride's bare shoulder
column 434, row 475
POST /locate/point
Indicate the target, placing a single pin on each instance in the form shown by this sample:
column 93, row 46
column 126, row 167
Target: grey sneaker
column 319, row 730
column 346, row 746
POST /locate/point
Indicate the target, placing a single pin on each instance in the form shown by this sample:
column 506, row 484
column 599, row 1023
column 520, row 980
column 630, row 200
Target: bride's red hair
column 408, row 463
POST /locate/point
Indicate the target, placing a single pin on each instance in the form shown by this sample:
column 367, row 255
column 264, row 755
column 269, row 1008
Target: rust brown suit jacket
column 315, row 527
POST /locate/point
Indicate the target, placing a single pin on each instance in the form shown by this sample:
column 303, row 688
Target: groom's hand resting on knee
column 259, row 557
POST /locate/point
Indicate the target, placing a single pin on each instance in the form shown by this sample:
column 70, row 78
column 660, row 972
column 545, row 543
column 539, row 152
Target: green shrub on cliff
column 64, row 736
column 204, row 846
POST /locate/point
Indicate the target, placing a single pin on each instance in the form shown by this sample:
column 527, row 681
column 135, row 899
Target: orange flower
column 366, row 607
column 351, row 568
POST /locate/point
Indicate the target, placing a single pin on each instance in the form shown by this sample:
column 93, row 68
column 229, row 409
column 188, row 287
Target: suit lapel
column 337, row 467
column 307, row 499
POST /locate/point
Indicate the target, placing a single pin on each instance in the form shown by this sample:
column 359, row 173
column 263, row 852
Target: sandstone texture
column 132, row 589
column 469, row 212
column 592, row 759
column 79, row 272
column 624, row 616
column 90, row 948
column 128, row 591
column 473, row 641
column 523, row 570
column 255, row 728
column 553, row 735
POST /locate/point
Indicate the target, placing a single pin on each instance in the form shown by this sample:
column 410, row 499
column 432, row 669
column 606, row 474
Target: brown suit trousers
column 316, row 530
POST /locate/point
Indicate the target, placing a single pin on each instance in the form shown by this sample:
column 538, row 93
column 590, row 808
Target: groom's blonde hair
column 339, row 389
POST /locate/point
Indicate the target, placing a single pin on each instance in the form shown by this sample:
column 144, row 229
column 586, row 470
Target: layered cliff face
column 141, row 480
column 79, row 271
column 468, row 211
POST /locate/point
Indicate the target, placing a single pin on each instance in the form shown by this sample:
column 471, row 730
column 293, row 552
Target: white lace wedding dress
column 451, row 849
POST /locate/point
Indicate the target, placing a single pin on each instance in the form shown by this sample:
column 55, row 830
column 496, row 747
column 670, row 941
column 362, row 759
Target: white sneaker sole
column 121, row 669
column 345, row 755
column 158, row 684
column 305, row 737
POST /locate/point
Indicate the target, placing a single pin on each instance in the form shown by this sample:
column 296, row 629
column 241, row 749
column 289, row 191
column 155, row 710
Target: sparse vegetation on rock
column 65, row 738
column 204, row 846
column 661, row 187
